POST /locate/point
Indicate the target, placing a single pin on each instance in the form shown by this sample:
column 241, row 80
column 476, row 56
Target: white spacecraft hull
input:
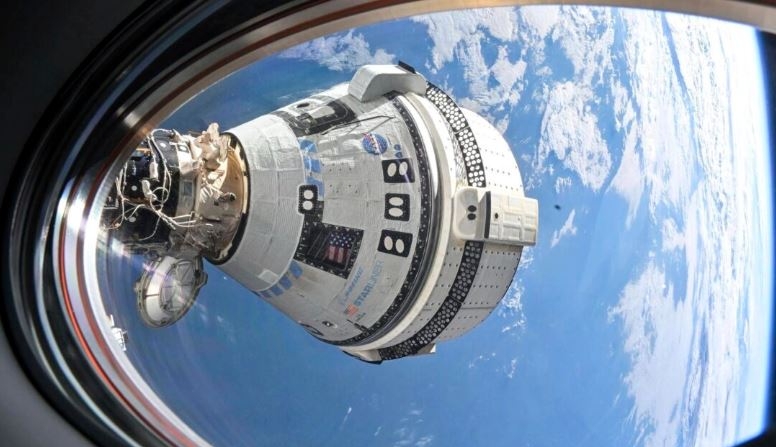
column 354, row 230
column 377, row 214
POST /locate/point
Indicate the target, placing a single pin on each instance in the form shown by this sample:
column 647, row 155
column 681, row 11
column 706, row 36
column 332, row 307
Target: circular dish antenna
column 167, row 289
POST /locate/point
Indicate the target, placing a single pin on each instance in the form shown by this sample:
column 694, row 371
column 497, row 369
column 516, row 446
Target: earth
column 641, row 317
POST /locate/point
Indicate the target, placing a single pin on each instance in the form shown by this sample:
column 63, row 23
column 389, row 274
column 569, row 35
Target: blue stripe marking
column 312, row 164
column 285, row 283
column 307, row 146
column 295, row 269
column 276, row 290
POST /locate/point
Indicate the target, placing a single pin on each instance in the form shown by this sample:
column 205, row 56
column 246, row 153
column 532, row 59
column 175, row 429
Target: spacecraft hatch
column 379, row 215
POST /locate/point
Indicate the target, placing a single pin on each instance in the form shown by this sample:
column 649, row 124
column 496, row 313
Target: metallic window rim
column 158, row 59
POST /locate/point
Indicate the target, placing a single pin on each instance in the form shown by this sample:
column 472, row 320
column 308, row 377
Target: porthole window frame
column 158, row 58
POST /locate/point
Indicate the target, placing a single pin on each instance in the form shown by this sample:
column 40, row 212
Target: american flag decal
column 330, row 248
column 338, row 247
column 336, row 254
column 351, row 310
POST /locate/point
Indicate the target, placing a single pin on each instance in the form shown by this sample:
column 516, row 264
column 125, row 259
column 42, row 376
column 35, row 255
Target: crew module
column 378, row 214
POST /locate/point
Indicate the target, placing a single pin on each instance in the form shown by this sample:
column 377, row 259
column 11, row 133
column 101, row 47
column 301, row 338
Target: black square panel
column 397, row 207
column 395, row 243
column 308, row 199
column 398, row 170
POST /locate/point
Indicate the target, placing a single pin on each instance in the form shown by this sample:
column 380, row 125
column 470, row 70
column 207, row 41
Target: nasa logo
column 374, row 143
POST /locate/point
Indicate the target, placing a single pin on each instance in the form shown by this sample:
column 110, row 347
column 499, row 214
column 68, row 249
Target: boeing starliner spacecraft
column 378, row 214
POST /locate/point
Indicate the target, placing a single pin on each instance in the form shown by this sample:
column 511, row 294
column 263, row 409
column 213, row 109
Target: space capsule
column 378, row 215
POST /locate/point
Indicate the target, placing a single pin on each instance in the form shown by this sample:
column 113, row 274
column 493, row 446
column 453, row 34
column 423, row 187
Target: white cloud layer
column 410, row 433
column 460, row 35
column 659, row 146
column 512, row 368
column 673, row 239
column 586, row 36
column 345, row 418
column 687, row 346
column 339, row 52
column 449, row 30
column 568, row 228
column 569, row 130
column 659, row 336
column 539, row 21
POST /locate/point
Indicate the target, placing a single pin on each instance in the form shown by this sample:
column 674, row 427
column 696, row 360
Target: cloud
column 448, row 30
column 570, row 130
column 691, row 341
column 490, row 88
column 410, row 434
column 673, row 239
column 580, row 147
column 512, row 303
column 659, row 146
column 562, row 184
column 493, row 89
column 659, row 336
column 460, row 35
column 568, row 228
column 586, row 36
column 628, row 181
column 339, row 52
column 510, row 307
column 511, row 369
column 424, row 441
column 345, row 419
column 482, row 358
column 539, row 21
